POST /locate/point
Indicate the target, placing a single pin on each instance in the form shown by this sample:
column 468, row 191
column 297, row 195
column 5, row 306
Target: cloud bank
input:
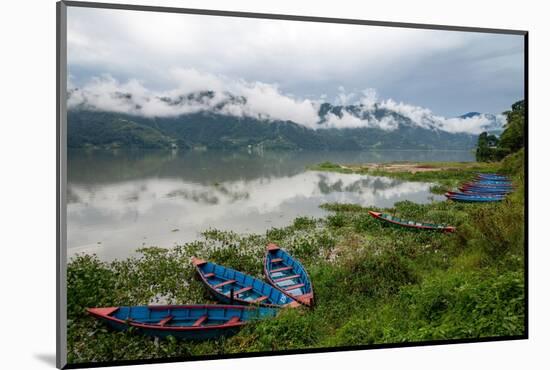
column 197, row 91
column 448, row 71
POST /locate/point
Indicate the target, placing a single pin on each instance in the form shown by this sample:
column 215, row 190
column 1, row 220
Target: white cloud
column 260, row 100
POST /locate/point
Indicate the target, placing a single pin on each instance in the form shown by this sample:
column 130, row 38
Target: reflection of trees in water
column 373, row 184
column 209, row 196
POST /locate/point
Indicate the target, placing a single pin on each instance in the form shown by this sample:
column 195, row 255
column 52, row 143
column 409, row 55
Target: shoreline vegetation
column 373, row 283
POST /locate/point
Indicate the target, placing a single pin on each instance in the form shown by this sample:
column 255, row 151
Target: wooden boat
column 287, row 275
column 196, row 322
column 488, row 188
column 233, row 287
column 492, row 186
column 483, row 191
column 492, row 182
column 492, row 176
column 411, row 224
column 473, row 198
column 488, row 195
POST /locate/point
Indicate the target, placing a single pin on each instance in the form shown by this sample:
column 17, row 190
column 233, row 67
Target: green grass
column 448, row 175
column 373, row 283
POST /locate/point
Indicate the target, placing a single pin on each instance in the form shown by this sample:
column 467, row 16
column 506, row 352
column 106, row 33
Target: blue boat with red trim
column 234, row 287
column 492, row 176
column 473, row 189
column 482, row 191
column 193, row 322
column 288, row 275
column 473, row 198
column 490, row 186
column 488, row 195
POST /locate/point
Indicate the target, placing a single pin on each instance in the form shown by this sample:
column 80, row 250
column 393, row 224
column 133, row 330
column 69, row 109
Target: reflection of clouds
column 127, row 213
column 264, row 194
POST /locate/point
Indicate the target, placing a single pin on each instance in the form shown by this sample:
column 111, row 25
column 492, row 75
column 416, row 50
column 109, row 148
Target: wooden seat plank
column 209, row 275
column 286, row 278
column 227, row 282
column 233, row 320
column 292, row 287
column 286, row 268
column 245, row 289
column 165, row 321
column 260, row 299
column 275, row 260
column 200, row 320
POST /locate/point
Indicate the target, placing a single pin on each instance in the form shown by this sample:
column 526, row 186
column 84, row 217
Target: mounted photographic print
column 238, row 184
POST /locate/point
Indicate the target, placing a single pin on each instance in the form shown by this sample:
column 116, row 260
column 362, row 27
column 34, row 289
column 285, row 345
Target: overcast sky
column 449, row 73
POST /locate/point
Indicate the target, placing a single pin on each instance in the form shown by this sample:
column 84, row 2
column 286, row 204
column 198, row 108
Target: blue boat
column 492, row 176
column 490, row 186
column 287, row 275
column 194, row 322
column 473, row 194
column 234, row 287
column 483, row 191
column 492, row 182
column 473, row 198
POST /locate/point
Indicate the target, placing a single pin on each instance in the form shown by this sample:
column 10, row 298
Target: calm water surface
column 119, row 201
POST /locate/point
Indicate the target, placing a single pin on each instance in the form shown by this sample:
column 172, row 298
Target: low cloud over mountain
column 197, row 92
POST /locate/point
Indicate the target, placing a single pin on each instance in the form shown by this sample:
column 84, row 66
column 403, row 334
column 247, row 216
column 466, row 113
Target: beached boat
column 484, row 190
column 491, row 186
column 234, row 287
column 468, row 190
column 492, row 176
column 469, row 194
column 411, row 224
column 473, row 198
column 287, row 275
column 492, row 182
column 195, row 322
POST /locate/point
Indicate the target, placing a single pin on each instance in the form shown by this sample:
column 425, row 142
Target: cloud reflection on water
column 113, row 219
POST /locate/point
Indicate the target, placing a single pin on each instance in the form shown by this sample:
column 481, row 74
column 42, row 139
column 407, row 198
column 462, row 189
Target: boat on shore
column 473, row 198
column 288, row 275
column 492, row 176
column 411, row 224
column 467, row 190
column 193, row 322
column 234, row 287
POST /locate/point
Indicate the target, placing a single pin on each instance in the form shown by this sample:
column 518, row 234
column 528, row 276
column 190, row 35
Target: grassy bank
column 373, row 283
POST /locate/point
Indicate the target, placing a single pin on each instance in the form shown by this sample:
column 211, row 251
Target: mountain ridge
column 205, row 119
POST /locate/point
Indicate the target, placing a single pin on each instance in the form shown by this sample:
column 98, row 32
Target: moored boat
column 288, row 275
column 473, row 198
column 411, row 224
column 492, row 176
column 483, row 191
column 195, row 322
column 491, row 186
column 492, row 182
column 234, row 287
column 470, row 194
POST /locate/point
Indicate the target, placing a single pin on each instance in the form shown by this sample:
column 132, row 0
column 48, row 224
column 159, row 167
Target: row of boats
column 244, row 299
column 485, row 188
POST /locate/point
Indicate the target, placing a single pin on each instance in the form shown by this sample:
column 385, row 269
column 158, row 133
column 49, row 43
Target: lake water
column 119, row 201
